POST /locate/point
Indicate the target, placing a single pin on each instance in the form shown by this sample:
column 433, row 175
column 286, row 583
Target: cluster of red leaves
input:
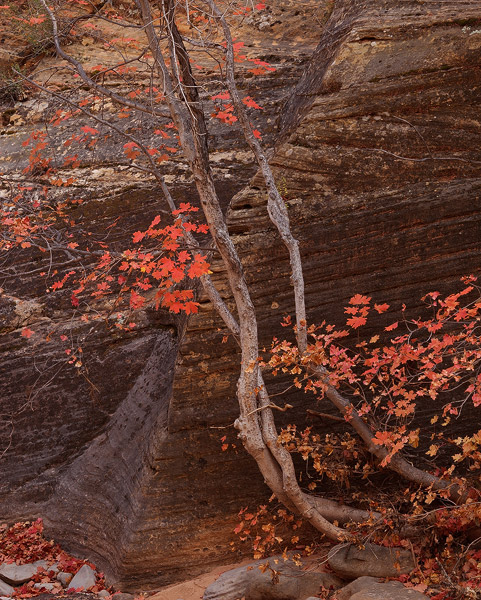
column 158, row 270
column 28, row 218
column 435, row 358
column 432, row 358
column 447, row 568
column 448, row 572
column 24, row 543
column 224, row 110
column 152, row 272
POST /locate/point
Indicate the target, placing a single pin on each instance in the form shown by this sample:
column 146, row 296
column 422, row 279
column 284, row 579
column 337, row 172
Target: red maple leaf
column 222, row 96
column 177, row 274
column 251, row 103
column 359, row 299
column 191, row 307
column 91, row 130
column 382, row 438
column 136, row 300
column 138, row 236
column 183, row 256
column 356, row 322
column 199, row 267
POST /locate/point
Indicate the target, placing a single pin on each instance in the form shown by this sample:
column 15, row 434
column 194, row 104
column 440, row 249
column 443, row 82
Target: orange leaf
column 91, row 130
column 199, row 267
column 356, row 322
column 359, row 299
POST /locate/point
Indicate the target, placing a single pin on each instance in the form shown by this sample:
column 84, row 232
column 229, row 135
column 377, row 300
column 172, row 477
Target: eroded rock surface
column 270, row 579
column 369, row 588
column 350, row 562
column 379, row 164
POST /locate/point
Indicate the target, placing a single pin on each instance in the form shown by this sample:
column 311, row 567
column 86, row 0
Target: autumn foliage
column 382, row 383
column 24, row 543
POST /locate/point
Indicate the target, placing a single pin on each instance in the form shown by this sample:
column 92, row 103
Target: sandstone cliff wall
column 378, row 159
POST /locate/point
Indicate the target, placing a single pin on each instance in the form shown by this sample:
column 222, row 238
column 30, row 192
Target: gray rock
column 298, row 586
column 369, row 588
column 123, row 596
column 85, row 578
column 103, row 593
column 351, row 562
column 355, row 586
column 64, row 578
column 251, row 583
column 5, row 589
column 392, row 590
column 18, row 574
column 49, row 586
column 53, row 567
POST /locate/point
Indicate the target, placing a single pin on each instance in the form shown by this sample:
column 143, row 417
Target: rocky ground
column 32, row 566
column 363, row 572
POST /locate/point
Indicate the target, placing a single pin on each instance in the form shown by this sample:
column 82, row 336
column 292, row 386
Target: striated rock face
column 378, row 159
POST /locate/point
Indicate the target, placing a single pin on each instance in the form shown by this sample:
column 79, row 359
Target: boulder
column 17, row 574
column 355, row 586
column 64, row 578
column 289, row 582
column 5, row 589
column 369, row 588
column 351, row 562
column 288, row 586
column 85, row 578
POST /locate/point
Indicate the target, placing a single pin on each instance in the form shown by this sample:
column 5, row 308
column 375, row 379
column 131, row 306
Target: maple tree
column 376, row 388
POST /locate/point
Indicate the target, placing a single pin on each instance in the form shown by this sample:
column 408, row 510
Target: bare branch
column 276, row 205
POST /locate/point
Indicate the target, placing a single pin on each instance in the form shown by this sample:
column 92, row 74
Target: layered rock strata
column 378, row 160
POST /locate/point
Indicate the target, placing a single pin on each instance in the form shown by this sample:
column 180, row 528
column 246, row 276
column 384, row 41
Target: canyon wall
column 374, row 115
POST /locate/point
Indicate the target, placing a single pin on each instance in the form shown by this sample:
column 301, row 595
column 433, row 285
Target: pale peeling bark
column 304, row 504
